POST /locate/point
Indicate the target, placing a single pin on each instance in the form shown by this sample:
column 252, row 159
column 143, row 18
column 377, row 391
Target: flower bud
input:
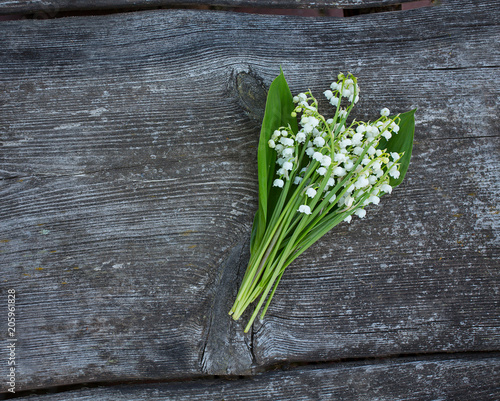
column 304, row 209
column 311, row 192
column 360, row 213
column 278, row 183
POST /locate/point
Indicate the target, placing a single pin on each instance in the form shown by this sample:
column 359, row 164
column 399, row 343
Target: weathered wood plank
column 50, row 8
column 85, row 241
column 472, row 378
column 115, row 278
column 130, row 186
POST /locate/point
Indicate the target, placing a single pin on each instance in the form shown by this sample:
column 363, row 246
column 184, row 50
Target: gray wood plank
column 129, row 187
column 407, row 278
column 472, row 378
column 51, row 8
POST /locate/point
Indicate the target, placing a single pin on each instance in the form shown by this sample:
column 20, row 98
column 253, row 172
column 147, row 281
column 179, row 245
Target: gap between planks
column 301, row 10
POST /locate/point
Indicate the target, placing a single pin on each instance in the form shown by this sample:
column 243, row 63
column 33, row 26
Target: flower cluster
column 326, row 170
column 337, row 166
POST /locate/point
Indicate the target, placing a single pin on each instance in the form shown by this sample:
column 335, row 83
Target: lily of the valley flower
column 335, row 148
column 338, row 168
column 304, row 209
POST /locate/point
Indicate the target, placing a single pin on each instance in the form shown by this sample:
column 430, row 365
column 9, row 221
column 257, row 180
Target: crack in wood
column 226, row 349
column 23, row 176
column 467, row 67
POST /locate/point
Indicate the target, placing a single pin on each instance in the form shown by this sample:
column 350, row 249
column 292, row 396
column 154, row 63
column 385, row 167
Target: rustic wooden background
column 128, row 186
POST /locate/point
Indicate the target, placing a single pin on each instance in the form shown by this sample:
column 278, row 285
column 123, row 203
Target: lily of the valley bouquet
column 314, row 173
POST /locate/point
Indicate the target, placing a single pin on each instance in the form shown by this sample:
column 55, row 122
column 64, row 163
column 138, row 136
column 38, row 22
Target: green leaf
column 279, row 106
column 401, row 142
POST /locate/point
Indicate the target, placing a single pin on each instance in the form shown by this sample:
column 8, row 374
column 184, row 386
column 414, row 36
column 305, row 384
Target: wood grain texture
column 129, row 186
column 50, row 8
column 447, row 378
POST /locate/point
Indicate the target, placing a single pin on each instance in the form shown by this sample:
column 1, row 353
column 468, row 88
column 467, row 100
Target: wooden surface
column 50, row 8
column 128, row 189
column 433, row 378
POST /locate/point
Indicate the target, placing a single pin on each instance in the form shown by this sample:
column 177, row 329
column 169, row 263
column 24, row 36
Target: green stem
column 276, row 271
column 248, row 287
column 272, row 294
